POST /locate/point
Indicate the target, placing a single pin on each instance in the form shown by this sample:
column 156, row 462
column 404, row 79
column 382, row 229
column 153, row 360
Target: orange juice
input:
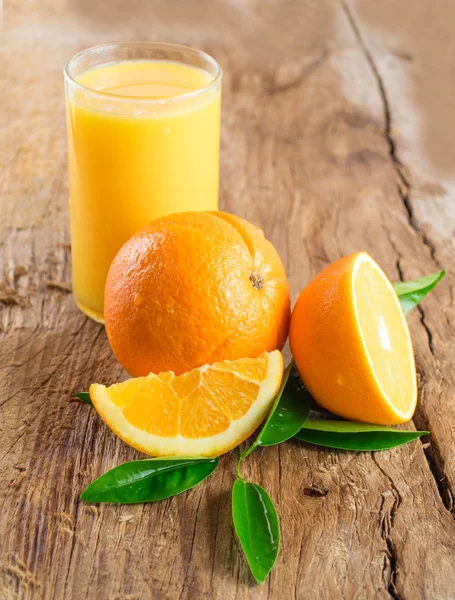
column 143, row 141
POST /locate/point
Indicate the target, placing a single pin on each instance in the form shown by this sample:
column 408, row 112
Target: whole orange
column 195, row 288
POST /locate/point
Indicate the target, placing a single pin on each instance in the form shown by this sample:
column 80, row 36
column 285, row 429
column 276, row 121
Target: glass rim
column 163, row 45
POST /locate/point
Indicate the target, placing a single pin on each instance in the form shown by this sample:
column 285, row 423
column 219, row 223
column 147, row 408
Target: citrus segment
column 250, row 369
column 164, row 419
column 351, row 343
column 204, row 412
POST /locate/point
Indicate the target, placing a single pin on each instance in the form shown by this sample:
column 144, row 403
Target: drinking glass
column 136, row 153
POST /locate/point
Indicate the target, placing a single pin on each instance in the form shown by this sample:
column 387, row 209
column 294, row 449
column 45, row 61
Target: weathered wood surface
column 337, row 136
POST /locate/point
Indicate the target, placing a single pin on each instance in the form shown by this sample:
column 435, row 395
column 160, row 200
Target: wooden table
column 338, row 131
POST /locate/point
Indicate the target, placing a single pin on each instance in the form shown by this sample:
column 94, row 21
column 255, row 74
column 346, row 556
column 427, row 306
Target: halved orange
column 204, row 412
column 351, row 343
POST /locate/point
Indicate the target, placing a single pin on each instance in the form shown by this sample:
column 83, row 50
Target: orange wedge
column 204, row 412
column 351, row 343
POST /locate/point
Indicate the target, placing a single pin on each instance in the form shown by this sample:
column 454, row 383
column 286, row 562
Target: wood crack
column 386, row 519
column 218, row 512
column 191, row 549
column 404, row 185
column 12, row 446
column 394, row 248
column 427, row 329
column 436, row 464
column 76, row 511
column 393, row 487
column 279, row 88
column 433, row 456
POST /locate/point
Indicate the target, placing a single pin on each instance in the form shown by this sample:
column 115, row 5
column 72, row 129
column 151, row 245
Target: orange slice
column 204, row 412
column 351, row 343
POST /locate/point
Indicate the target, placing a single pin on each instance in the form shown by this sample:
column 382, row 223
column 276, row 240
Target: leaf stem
column 249, row 450
column 239, row 461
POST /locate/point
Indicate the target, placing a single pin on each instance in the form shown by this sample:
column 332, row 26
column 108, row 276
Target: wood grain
column 332, row 142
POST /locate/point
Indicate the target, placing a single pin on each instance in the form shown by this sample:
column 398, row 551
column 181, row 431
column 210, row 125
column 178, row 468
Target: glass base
column 93, row 314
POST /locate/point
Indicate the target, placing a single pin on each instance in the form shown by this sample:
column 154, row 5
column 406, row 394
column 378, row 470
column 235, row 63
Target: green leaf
column 85, row 397
column 256, row 525
column 149, row 480
column 289, row 412
column 347, row 435
column 412, row 292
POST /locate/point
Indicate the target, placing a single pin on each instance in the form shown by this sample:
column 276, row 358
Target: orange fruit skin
column 181, row 293
column 328, row 351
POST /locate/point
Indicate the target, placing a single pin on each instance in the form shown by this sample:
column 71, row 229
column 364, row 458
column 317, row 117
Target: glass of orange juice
column 143, row 141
